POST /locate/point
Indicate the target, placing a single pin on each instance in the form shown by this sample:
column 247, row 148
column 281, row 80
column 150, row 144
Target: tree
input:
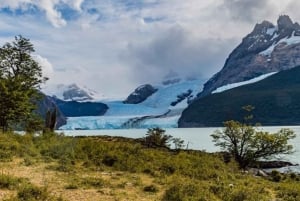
column 20, row 79
column 156, row 137
column 247, row 144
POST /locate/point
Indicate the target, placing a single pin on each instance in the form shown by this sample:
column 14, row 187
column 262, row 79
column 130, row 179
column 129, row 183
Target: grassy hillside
column 54, row 167
column 276, row 102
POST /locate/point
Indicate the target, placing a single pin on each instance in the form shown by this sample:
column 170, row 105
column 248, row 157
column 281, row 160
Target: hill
column 55, row 168
column 276, row 102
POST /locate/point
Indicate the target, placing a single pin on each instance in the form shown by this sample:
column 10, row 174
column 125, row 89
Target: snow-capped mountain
column 268, row 48
column 72, row 92
column 162, row 108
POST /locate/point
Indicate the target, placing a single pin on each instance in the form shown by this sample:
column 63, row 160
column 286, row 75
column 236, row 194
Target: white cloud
column 113, row 46
column 52, row 14
column 47, row 68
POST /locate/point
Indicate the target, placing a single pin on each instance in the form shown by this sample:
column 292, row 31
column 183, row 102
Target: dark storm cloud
column 178, row 51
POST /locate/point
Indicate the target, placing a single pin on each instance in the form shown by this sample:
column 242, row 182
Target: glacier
column 155, row 111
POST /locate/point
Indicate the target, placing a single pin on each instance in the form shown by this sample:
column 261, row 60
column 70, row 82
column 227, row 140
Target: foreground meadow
column 54, row 167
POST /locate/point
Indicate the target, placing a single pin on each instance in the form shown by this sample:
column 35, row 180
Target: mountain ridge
column 276, row 102
column 248, row 60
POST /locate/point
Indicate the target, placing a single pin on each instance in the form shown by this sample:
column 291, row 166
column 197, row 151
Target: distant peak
column 285, row 22
column 262, row 27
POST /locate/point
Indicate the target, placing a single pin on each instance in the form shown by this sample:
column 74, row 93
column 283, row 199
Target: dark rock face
column 47, row 104
column 77, row 109
column 140, row 94
column 248, row 60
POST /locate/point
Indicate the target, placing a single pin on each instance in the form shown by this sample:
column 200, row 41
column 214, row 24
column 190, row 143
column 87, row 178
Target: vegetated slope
column 276, row 102
column 54, row 167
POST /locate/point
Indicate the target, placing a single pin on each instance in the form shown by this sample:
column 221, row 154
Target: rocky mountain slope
column 268, row 48
column 276, row 102
column 140, row 94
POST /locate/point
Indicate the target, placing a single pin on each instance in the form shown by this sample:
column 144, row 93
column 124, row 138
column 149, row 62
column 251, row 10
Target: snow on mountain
column 156, row 110
column 268, row 48
column 167, row 94
column 234, row 85
column 285, row 41
column 72, row 92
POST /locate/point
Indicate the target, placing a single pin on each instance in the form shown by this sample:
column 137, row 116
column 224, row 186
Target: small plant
column 8, row 182
column 178, row 143
column 71, row 187
column 276, row 176
column 151, row 188
column 93, row 182
column 33, row 193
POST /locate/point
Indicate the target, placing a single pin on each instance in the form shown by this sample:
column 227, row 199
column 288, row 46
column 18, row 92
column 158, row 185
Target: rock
column 248, row 60
column 272, row 164
column 140, row 94
column 261, row 173
column 257, row 172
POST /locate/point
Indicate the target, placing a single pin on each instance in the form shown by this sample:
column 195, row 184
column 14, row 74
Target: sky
column 113, row 46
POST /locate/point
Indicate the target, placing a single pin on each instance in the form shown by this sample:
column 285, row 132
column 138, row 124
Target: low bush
column 9, row 182
column 151, row 188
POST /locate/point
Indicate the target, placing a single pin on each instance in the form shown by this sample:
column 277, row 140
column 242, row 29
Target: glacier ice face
column 155, row 111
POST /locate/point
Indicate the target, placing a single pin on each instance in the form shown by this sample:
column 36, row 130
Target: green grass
column 124, row 169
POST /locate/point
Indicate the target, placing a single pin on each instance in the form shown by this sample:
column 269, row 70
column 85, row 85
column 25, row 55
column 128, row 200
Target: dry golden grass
column 118, row 186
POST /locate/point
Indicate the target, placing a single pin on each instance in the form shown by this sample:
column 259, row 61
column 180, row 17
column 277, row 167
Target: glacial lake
column 196, row 138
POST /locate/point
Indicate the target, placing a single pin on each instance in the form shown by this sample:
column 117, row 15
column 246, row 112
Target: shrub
column 151, row 188
column 93, row 182
column 8, row 182
column 33, row 193
column 276, row 176
column 156, row 137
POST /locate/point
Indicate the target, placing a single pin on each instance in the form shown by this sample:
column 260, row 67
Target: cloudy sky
column 113, row 46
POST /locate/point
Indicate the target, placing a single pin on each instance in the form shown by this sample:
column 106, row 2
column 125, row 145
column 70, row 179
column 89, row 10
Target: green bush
column 33, row 193
column 9, row 182
column 186, row 191
column 276, row 176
